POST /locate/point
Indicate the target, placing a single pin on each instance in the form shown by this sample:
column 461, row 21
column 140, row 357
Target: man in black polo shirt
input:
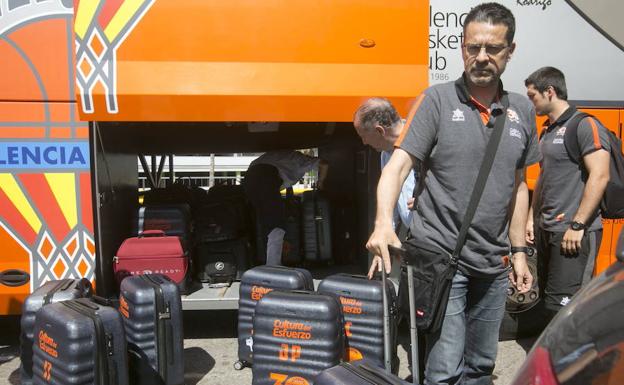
column 447, row 132
column 568, row 226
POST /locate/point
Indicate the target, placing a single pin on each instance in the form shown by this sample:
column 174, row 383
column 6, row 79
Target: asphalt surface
column 210, row 349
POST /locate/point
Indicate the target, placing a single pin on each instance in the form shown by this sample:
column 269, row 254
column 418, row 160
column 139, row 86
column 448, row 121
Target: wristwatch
column 519, row 249
column 577, row 226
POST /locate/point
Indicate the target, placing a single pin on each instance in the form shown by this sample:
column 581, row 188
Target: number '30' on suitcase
column 152, row 313
column 255, row 283
column 79, row 342
column 49, row 292
column 297, row 334
column 363, row 304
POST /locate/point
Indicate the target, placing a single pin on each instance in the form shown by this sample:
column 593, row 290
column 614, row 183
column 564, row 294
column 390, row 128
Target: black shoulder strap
column 484, row 172
column 570, row 138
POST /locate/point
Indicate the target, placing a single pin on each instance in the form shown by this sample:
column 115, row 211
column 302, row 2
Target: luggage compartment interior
column 116, row 147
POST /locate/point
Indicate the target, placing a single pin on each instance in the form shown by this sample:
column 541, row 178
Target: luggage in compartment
column 297, row 335
column 362, row 372
column 172, row 219
column 49, row 292
column 221, row 262
column 152, row 314
column 220, row 221
column 255, row 283
column 317, row 245
column 176, row 193
column 292, row 205
column 79, row 342
column 153, row 253
column 292, row 253
column 363, row 308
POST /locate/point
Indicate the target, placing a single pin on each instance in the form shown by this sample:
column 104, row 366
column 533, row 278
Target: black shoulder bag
column 433, row 268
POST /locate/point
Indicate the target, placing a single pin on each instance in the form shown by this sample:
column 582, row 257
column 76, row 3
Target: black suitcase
column 220, row 221
column 173, row 219
column 297, row 334
column 362, row 372
column 152, row 314
column 221, row 262
column 317, row 245
column 49, row 292
column 363, row 308
column 79, row 342
column 255, row 283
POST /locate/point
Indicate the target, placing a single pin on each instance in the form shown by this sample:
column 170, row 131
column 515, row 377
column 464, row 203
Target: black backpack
column 612, row 203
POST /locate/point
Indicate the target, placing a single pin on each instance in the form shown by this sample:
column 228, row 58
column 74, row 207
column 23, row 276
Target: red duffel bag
column 153, row 252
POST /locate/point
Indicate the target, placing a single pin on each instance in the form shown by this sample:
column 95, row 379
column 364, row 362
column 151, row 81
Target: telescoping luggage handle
column 401, row 254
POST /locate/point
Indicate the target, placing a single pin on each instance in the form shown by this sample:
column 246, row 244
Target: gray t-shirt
column 562, row 181
column 448, row 134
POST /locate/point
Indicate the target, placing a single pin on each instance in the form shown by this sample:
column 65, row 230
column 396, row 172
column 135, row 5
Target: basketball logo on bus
column 101, row 27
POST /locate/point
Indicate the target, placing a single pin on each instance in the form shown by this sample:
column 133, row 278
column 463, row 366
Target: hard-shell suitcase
column 152, row 313
column 255, row 283
column 363, row 308
column 79, row 342
column 172, row 219
column 363, row 372
column 297, row 334
column 153, row 253
column 221, row 262
column 49, row 292
column 317, row 245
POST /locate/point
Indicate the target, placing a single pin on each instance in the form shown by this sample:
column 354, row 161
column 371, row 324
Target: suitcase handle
column 401, row 253
column 152, row 233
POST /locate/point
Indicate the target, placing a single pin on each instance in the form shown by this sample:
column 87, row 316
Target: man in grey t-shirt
column 569, row 227
column 447, row 132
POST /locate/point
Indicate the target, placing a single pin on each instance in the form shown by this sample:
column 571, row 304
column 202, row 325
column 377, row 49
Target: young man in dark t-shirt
column 568, row 226
column 447, row 132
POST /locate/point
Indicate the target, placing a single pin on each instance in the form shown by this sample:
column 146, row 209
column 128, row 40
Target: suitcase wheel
column 239, row 365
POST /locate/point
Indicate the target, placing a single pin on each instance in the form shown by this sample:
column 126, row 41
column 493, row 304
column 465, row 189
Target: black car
column 584, row 343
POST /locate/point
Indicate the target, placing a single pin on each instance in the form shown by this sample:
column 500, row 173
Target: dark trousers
column 562, row 275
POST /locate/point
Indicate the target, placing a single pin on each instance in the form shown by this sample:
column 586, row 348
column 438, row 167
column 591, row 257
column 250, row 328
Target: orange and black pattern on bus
column 46, row 224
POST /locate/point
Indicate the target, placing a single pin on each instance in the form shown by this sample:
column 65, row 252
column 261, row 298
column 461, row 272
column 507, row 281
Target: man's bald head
column 378, row 123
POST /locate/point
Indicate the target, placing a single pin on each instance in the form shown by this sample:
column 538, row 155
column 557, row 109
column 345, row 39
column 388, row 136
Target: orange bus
column 89, row 87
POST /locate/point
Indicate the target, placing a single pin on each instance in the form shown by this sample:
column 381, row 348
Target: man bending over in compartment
column 265, row 178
